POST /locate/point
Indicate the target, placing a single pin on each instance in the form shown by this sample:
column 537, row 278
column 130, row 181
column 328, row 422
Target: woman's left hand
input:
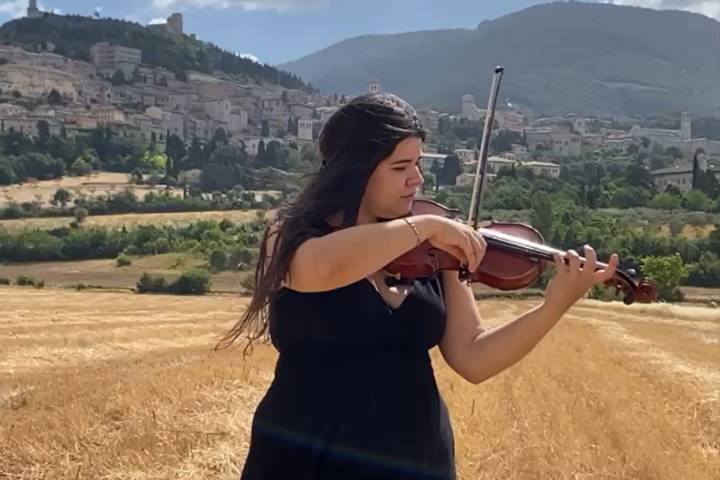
column 572, row 280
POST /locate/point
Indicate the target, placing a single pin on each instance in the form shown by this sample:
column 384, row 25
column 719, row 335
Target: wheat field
column 100, row 385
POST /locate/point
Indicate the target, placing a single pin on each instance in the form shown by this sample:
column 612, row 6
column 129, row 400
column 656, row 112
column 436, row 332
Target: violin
column 516, row 253
column 516, row 256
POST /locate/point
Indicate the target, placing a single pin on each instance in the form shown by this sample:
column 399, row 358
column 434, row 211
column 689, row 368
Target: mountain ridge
column 560, row 57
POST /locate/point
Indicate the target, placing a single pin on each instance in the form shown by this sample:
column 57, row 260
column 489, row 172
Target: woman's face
column 394, row 183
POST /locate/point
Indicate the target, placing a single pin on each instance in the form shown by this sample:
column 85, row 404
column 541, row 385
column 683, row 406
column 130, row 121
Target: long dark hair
column 355, row 139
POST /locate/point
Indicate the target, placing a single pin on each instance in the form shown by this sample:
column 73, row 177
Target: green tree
column 80, row 214
column 706, row 272
column 118, row 78
column 216, row 176
column 195, row 281
column 54, row 98
column 668, row 272
column 220, row 137
column 542, row 215
column 707, row 183
column 714, row 240
column 43, row 128
column 504, row 140
column 429, row 181
column 696, row 201
column 153, row 162
column 638, row 175
column 450, row 170
column 228, row 155
column 674, row 152
column 309, row 155
column 80, row 167
column 628, row 197
column 195, row 154
column 696, row 172
column 218, row 260
column 148, row 284
column 62, row 196
column 666, row 201
column 7, row 174
column 175, row 151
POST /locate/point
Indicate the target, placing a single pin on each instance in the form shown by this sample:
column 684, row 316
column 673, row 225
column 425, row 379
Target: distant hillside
column 587, row 58
column 73, row 35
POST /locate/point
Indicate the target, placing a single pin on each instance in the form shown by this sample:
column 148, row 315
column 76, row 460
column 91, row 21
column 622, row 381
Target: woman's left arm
column 478, row 353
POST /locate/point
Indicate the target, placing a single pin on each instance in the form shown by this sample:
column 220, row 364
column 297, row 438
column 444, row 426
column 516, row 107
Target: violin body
column 515, row 257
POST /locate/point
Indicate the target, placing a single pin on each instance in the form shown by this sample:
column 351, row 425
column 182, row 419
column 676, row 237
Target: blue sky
column 275, row 31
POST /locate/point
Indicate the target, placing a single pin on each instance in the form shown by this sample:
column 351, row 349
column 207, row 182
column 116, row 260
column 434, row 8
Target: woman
column 354, row 394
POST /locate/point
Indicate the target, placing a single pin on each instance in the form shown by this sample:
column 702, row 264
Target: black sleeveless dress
column 354, row 395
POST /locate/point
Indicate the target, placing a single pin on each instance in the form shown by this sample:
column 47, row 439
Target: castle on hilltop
column 32, row 10
column 173, row 24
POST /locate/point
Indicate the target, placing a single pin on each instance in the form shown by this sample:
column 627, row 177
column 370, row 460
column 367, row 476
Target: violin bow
column 479, row 183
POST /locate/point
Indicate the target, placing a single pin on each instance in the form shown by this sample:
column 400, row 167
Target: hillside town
column 118, row 91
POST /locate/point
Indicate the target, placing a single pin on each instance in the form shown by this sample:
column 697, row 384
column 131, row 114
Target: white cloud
column 14, row 8
column 249, row 56
column 710, row 8
column 157, row 21
column 278, row 5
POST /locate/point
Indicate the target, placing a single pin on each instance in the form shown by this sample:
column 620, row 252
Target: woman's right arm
column 348, row 255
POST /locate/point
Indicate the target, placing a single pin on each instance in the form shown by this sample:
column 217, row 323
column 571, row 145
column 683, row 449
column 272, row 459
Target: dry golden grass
column 130, row 219
column 95, row 184
column 97, row 385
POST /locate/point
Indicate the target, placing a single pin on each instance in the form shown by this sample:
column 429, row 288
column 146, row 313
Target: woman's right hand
column 454, row 237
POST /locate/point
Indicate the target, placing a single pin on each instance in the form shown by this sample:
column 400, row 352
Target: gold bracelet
column 414, row 228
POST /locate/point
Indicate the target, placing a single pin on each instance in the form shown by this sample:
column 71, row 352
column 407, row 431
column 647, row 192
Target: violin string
column 524, row 246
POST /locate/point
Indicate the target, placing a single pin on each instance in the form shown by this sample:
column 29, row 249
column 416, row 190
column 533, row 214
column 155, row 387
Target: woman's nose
column 417, row 178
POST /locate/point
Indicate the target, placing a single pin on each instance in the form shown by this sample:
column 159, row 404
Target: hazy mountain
column 560, row 57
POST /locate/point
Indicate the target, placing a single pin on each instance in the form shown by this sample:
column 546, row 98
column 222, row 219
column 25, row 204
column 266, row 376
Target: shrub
column 248, row 283
column 195, row 281
column 242, row 258
column 218, row 260
column 123, row 260
column 147, row 283
column 24, row 280
column 668, row 272
column 80, row 214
